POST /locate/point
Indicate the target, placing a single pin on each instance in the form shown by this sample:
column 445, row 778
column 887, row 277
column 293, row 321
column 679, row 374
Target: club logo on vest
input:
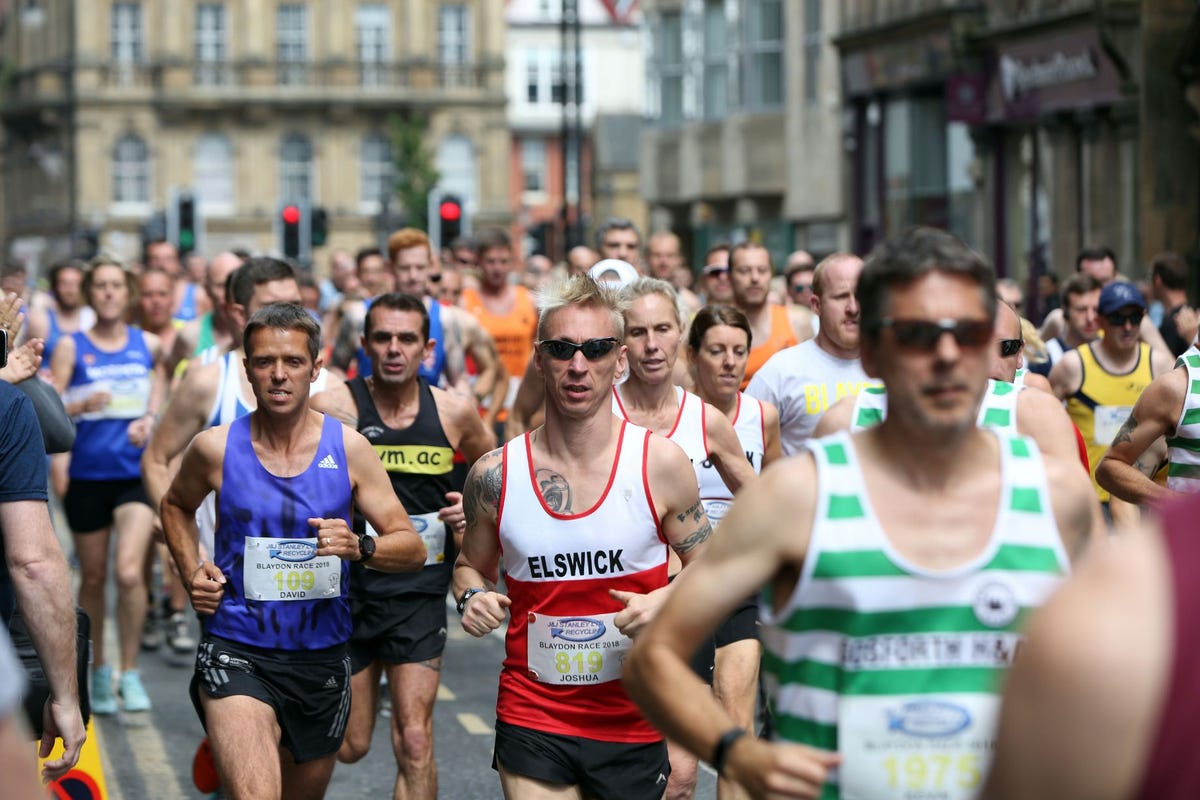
column 372, row 432
column 929, row 719
column 419, row 525
column 996, row 605
column 577, row 629
column 293, row 551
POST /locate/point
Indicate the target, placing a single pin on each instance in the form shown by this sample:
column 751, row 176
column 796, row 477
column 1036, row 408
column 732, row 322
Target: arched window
column 213, row 170
column 295, row 168
column 376, row 170
column 131, row 170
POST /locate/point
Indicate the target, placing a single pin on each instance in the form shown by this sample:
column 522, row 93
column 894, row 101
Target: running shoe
column 103, row 699
column 204, row 770
column 152, row 635
column 133, row 694
column 179, row 635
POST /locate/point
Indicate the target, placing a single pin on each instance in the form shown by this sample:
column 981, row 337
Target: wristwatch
column 366, row 548
column 465, row 596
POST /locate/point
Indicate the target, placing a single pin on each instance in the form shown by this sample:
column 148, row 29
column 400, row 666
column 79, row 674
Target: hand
column 61, row 720
column 206, row 587
column 766, row 769
column 140, row 429
column 639, row 610
column 453, row 514
column 23, row 362
column 97, row 401
column 334, row 538
column 10, row 314
column 484, row 613
column 1186, row 323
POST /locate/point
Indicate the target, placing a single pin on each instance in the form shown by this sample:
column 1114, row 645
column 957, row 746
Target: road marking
column 474, row 725
column 444, row 693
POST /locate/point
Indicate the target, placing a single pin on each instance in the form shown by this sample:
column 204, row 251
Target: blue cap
column 1119, row 294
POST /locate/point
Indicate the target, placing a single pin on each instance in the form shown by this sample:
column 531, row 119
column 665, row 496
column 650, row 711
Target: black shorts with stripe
column 308, row 689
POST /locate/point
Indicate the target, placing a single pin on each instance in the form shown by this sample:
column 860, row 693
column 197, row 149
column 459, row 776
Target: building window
column 670, row 69
column 812, row 51
column 533, row 165
column 211, row 52
column 131, row 171
column 453, row 42
column 715, row 100
column 376, row 170
column 291, row 43
column 372, row 25
column 764, row 54
column 533, row 77
column 295, row 168
column 213, row 173
column 127, row 33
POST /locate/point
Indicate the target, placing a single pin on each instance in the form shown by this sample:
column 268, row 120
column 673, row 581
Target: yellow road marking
column 444, row 693
column 474, row 725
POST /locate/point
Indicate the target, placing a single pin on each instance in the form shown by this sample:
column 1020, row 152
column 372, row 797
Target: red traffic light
column 291, row 214
column 450, row 210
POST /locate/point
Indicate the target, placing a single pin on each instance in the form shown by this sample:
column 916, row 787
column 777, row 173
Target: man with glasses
column 1100, row 381
column 798, row 274
column 714, row 275
column 579, row 510
column 886, row 634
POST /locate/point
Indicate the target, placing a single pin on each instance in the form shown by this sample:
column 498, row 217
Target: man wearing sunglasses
column 1100, row 381
column 875, row 553
column 582, row 510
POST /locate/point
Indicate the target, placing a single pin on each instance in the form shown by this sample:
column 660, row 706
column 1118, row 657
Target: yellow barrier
column 85, row 781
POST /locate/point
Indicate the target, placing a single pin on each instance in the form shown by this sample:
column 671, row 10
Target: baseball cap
column 613, row 271
column 1119, row 294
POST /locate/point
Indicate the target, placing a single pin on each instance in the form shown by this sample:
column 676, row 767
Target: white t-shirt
column 12, row 677
column 802, row 382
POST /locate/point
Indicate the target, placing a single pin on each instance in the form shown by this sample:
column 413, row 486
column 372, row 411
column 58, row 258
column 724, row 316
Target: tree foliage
column 415, row 172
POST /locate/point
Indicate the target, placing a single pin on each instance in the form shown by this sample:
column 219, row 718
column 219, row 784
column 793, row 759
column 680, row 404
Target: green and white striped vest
column 1183, row 449
column 998, row 409
column 895, row 666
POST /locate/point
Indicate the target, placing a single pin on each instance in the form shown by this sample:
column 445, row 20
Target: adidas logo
column 327, row 463
column 331, row 683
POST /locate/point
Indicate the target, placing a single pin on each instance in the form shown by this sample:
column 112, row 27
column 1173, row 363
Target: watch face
column 366, row 546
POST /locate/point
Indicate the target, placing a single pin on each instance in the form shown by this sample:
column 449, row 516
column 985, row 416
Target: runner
column 1101, row 705
column 898, row 564
column 581, row 511
column 400, row 620
column 802, row 381
column 718, row 344
column 112, row 383
column 649, row 398
column 272, row 679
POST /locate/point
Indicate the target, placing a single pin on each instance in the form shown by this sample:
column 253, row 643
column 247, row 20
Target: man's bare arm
column 530, row 395
column 398, row 548
column 1154, row 415
column 185, row 415
column 337, row 402
column 1067, row 375
column 1042, row 417
column 478, row 564
column 773, row 447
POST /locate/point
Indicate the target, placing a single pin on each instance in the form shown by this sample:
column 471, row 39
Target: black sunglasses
column 1010, row 347
column 801, row 288
column 920, row 334
column 1120, row 319
column 592, row 349
column 716, row 269
column 434, row 278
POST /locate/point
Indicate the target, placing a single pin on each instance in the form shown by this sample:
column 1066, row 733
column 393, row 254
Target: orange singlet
column 781, row 336
column 513, row 332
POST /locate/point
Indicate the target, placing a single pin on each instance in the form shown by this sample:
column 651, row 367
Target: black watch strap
column 366, row 548
column 467, row 594
column 722, row 750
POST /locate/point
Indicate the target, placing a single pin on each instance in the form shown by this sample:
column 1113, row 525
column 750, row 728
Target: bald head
column 581, row 259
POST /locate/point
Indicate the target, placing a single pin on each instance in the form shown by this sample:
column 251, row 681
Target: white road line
column 474, row 725
column 444, row 693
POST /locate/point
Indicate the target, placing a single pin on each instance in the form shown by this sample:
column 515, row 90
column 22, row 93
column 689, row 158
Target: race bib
column 575, row 650
column 716, row 510
column 289, row 569
column 1109, row 420
column 130, row 397
column 916, row 747
column 432, row 532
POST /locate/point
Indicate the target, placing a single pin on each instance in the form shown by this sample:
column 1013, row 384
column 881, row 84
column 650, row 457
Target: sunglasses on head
column 716, row 269
column 920, row 334
column 592, row 349
column 1010, row 347
column 1120, row 319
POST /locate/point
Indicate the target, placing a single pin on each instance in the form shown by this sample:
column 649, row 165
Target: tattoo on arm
column 481, row 495
column 695, row 511
column 555, row 489
column 694, row 540
column 1125, row 435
